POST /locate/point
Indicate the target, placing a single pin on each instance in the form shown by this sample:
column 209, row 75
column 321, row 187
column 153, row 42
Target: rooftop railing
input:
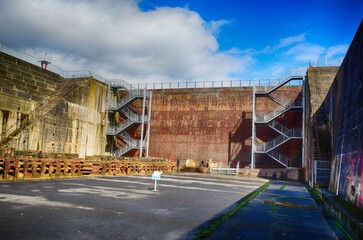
column 328, row 62
column 301, row 71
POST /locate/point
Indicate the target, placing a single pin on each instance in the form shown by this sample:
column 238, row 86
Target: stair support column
column 253, row 156
column 142, row 123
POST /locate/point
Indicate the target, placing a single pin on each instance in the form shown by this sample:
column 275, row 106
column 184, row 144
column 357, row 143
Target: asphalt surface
column 294, row 215
column 122, row 207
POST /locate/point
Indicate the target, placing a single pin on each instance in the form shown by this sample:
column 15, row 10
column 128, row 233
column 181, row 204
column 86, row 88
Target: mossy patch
column 287, row 204
column 215, row 223
column 351, row 208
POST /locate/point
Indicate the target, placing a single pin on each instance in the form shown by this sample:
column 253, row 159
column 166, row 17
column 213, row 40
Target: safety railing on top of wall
column 209, row 84
column 133, row 87
column 53, row 68
column 321, row 62
column 328, row 62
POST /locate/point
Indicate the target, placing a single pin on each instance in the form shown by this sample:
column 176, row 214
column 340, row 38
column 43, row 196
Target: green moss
column 285, row 185
column 337, row 228
column 215, row 223
column 351, row 208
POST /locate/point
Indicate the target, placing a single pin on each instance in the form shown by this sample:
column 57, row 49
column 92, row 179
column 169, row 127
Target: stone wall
column 62, row 115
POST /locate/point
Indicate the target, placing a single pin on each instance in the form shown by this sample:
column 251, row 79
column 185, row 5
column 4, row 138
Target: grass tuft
column 283, row 186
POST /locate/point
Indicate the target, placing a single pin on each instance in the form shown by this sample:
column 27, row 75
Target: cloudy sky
column 180, row 40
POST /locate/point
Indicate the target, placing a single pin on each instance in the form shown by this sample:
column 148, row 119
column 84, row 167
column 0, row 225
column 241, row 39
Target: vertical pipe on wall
column 303, row 160
column 142, row 123
column 106, row 123
column 148, row 127
column 253, row 158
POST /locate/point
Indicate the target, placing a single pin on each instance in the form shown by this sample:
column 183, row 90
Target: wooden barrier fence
column 12, row 168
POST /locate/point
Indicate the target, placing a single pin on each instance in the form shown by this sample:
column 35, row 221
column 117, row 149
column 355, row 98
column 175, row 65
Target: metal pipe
column 303, row 125
column 149, row 124
column 142, row 123
column 253, row 128
column 106, row 123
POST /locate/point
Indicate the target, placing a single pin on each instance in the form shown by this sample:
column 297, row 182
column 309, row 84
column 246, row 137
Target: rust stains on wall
column 202, row 124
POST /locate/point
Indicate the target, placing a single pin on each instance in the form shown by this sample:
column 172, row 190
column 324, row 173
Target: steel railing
column 277, row 112
column 328, row 62
column 124, row 101
column 278, row 127
column 133, row 116
column 268, row 146
column 124, row 149
column 295, row 74
column 114, row 130
column 280, row 158
column 128, row 139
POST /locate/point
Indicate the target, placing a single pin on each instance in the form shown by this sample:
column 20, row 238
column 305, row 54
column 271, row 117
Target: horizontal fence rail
column 301, row 71
column 328, row 62
column 210, row 84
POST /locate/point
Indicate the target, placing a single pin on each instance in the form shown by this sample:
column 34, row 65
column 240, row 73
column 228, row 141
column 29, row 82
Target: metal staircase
column 293, row 133
column 284, row 105
column 122, row 106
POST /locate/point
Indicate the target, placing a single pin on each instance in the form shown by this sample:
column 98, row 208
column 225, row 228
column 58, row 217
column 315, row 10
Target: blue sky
column 179, row 40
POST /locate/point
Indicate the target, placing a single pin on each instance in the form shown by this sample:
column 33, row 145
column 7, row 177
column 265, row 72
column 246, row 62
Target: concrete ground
column 292, row 215
column 122, row 207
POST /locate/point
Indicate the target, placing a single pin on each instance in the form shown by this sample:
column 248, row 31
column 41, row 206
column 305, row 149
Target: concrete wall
column 203, row 124
column 344, row 108
column 71, row 121
column 342, row 112
column 318, row 83
column 200, row 124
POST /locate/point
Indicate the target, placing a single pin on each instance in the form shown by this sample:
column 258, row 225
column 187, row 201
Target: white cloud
column 291, row 40
column 338, row 50
column 214, row 27
column 305, row 52
column 284, row 42
column 117, row 39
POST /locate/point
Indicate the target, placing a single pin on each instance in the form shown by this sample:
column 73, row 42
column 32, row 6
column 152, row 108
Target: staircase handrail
column 120, row 151
column 295, row 72
column 132, row 115
column 268, row 146
column 119, row 82
column 128, row 139
column 281, row 158
column 131, row 95
column 276, row 112
column 120, row 127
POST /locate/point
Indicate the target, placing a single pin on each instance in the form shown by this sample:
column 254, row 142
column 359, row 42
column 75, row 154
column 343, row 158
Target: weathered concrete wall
column 204, row 124
column 342, row 112
column 344, row 108
column 318, row 83
column 200, row 124
column 69, row 114
column 319, row 80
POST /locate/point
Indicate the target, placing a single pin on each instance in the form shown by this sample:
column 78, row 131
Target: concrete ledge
column 278, row 173
column 352, row 224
